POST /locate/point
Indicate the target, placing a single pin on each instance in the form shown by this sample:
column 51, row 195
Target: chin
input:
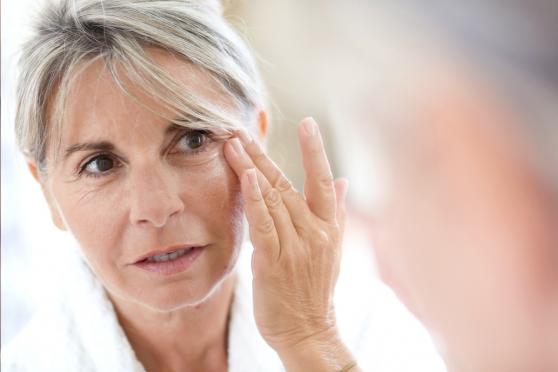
column 192, row 291
column 182, row 295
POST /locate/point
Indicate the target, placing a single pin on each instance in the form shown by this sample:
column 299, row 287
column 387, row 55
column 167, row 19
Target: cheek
column 94, row 221
column 213, row 195
column 86, row 209
column 214, row 201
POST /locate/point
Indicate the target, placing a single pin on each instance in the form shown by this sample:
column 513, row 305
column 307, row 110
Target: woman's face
column 131, row 185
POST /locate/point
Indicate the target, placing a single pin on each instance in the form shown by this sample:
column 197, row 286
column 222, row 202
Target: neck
column 187, row 339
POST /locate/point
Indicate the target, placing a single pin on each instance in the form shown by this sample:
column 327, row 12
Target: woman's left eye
column 192, row 141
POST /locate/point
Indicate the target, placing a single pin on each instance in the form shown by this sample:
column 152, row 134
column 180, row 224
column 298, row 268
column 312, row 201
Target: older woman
column 141, row 121
column 136, row 118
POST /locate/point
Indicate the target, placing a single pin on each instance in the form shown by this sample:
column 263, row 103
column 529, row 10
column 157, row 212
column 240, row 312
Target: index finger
column 318, row 185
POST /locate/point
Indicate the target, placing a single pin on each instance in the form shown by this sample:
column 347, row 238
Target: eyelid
column 81, row 166
column 209, row 134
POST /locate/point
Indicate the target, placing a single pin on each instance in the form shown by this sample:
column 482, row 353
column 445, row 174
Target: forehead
column 96, row 105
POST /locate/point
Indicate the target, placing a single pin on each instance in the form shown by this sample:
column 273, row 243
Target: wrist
column 321, row 352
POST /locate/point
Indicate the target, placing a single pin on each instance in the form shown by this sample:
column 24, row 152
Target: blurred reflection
column 455, row 102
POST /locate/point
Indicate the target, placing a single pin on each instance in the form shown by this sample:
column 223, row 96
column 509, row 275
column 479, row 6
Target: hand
column 297, row 241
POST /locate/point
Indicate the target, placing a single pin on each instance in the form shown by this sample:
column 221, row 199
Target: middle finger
column 240, row 162
column 294, row 202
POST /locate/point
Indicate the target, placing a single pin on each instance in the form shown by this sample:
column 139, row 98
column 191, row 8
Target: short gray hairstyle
column 69, row 34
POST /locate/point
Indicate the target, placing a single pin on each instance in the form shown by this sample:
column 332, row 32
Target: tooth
column 169, row 256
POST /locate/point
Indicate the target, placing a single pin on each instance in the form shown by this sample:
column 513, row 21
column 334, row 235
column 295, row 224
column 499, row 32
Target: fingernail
column 309, row 126
column 237, row 146
column 244, row 137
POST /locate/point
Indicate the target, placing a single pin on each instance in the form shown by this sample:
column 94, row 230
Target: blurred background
column 27, row 234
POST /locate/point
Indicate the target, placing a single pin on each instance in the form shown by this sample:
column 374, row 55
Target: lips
column 158, row 255
column 169, row 256
column 170, row 261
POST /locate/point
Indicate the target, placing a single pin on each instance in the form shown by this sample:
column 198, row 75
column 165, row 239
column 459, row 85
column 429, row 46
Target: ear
column 32, row 166
column 54, row 212
column 263, row 125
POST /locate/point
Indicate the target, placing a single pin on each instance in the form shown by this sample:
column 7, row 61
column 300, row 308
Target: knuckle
column 272, row 198
column 282, row 184
column 302, row 228
column 325, row 180
column 316, row 148
column 332, row 225
column 258, row 155
column 315, row 235
column 322, row 238
column 255, row 197
column 267, row 226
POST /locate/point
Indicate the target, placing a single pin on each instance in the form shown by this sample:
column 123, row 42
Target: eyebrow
column 173, row 128
column 100, row 145
column 109, row 146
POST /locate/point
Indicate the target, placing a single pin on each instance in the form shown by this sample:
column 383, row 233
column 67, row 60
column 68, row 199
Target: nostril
column 155, row 211
column 154, row 197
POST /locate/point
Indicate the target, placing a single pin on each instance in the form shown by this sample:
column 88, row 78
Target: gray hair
column 69, row 34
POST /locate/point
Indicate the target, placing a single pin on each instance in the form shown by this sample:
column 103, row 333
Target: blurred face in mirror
column 128, row 184
column 467, row 233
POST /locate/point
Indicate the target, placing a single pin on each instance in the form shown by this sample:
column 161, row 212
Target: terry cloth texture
column 78, row 331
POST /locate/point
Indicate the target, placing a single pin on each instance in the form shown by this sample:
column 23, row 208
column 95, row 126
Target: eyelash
column 209, row 136
column 84, row 172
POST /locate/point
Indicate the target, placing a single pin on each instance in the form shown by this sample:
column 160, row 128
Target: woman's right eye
column 98, row 166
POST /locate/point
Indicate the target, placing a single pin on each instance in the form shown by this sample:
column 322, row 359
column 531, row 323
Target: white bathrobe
column 79, row 331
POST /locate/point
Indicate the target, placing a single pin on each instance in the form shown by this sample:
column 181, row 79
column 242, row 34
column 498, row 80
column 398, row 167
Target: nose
column 154, row 196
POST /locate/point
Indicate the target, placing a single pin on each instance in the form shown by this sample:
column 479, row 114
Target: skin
column 158, row 192
column 467, row 234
